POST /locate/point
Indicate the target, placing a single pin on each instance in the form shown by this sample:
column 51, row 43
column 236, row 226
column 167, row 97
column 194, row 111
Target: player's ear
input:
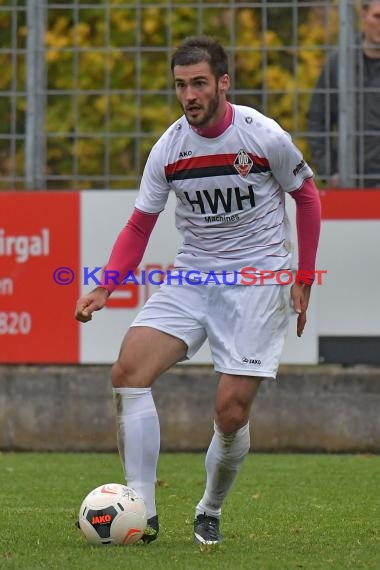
column 224, row 83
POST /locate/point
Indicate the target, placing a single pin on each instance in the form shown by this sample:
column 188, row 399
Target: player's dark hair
column 197, row 49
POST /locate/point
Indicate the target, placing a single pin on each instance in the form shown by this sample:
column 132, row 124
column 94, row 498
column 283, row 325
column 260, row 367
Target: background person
column 323, row 115
column 229, row 167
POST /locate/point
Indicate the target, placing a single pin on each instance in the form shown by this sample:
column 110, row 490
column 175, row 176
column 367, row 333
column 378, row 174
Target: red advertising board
column 39, row 245
column 351, row 204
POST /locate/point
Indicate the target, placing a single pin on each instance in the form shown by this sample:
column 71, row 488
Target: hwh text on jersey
column 218, row 201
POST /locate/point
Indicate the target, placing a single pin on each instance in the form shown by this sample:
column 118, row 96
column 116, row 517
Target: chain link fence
column 86, row 88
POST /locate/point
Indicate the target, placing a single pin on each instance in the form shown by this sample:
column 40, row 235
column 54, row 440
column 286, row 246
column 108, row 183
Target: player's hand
column 300, row 294
column 89, row 303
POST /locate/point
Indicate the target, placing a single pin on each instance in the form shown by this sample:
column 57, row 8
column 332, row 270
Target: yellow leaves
column 101, row 104
column 312, row 35
column 277, row 78
column 151, row 21
column 248, row 22
column 310, row 60
column 272, row 39
column 58, row 39
column 153, row 27
column 93, row 60
column 123, row 21
column 81, row 34
column 59, row 28
column 52, row 55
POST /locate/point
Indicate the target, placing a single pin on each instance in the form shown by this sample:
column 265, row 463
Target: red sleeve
column 129, row 248
column 308, row 219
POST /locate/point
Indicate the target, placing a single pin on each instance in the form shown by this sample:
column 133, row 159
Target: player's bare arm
column 89, row 303
column 300, row 294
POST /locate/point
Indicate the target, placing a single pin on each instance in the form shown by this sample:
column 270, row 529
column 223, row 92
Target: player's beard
column 208, row 115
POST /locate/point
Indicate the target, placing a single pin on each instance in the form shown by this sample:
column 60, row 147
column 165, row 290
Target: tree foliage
column 109, row 89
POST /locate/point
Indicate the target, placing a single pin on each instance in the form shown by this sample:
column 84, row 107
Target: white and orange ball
column 112, row 514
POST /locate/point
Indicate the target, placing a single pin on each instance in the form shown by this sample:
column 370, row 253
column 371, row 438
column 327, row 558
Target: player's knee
column 231, row 418
column 123, row 375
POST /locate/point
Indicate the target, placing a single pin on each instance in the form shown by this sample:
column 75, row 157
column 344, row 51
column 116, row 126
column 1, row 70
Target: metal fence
column 86, row 89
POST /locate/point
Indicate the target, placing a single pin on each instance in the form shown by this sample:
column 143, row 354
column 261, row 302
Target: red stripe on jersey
column 352, row 204
column 210, row 160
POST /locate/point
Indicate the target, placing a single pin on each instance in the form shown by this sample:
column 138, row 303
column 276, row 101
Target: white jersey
column 230, row 192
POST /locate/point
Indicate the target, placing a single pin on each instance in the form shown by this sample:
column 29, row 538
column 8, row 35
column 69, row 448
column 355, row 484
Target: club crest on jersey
column 243, row 163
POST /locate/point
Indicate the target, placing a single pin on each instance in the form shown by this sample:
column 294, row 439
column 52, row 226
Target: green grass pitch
column 285, row 512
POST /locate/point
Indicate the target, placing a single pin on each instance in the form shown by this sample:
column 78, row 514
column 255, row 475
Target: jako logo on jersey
column 243, row 163
column 185, row 153
column 246, row 360
column 219, row 201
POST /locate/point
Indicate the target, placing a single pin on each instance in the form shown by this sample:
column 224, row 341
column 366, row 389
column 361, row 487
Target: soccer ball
column 112, row 514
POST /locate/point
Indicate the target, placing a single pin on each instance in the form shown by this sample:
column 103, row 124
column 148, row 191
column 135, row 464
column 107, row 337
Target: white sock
column 224, row 458
column 138, row 436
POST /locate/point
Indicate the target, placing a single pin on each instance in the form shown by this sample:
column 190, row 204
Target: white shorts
column 245, row 326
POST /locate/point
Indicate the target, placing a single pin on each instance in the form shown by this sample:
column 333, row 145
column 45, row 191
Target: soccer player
column 229, row 167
